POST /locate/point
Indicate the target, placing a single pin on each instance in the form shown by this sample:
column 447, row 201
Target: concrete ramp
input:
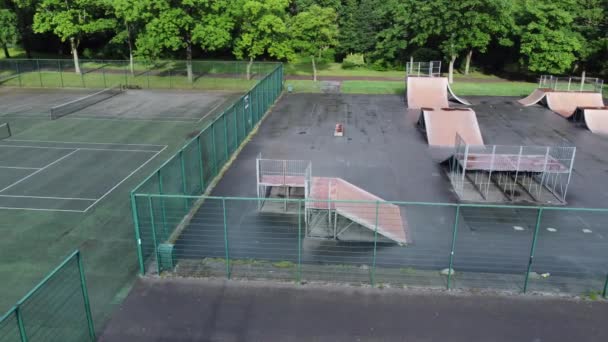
column 534, row 98
column 443, row 124
column 566, row 103
column 596, row 119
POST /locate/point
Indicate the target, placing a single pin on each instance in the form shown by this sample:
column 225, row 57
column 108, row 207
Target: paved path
column 387, row 78
column 215, row 310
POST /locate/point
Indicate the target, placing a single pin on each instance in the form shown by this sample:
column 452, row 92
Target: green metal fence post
column 533, row 248
column 226, row 239
column 162, row 201
column 236, row 127
column 20, row 324
column 85, row 296
column 153, row 226
column 200, row 163
column 454, row 236
column 184, row 186
column 39, row 72
column 225, row 135
column 373, row 274
column 18, row 74
column 103, row 74
column 126, row 69
column 60, row 72
column 140, row 255
column 605, row 291
column 214, row 146
column 299, row 275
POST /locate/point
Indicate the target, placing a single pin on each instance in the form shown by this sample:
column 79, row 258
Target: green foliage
column 263, row 29
column 178, row 25
column 548, row 43
column 353, row 60
column 314, row 30
column 8, row 27
column 426, row 54
column 72, row 19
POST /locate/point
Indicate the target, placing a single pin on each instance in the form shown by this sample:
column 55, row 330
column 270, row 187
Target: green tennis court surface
column 65, row 176
column 64, row 184
column 131, row 104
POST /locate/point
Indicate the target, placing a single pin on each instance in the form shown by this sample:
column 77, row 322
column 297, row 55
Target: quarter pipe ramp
column 431, row 92
column 442, row 125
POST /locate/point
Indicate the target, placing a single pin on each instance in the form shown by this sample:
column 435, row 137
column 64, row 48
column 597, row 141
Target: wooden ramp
column 430, row 92
column 442, row 125
column 358, row 206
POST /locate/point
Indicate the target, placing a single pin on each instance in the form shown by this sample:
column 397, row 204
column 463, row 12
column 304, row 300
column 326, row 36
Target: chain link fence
column 97, row 74
column 461, row 246
column 57, row 309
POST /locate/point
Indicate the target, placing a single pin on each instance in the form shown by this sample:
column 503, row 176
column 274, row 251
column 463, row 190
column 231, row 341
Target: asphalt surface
column 211, row 310
column 384, row 153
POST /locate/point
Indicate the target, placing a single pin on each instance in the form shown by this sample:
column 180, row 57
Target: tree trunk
column 130, row 44
column 314, row 69
column 249, row 65
column 451, row 69
column 5, row 48
column 189, row 61
column 74, row 48
column 468, row 62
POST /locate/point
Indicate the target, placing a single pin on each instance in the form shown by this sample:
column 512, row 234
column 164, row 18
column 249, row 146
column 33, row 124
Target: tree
column 8, row 29
column 358, row 20
column 459, row 26
column 591, row 22
column 548, row 43
column 313, row 32
column 263, row 30
column 24, row 11
column 182, row 24
column 393, row 39
column 131, row 13
column 72, row 20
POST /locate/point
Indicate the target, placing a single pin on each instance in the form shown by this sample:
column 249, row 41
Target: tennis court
column 61, row 176
column 113, row 104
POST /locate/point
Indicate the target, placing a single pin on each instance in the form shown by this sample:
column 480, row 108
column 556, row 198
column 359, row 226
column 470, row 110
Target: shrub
column 353, row 60
column 426, row 55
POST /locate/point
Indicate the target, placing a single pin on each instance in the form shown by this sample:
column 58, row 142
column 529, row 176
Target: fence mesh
column 192, row 169
column 100, row 74
column 5, row 131
column 57, row 309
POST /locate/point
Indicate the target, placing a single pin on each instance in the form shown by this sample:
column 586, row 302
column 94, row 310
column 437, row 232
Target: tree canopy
column 537, row 36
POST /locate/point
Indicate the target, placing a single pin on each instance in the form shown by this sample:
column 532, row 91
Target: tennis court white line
column 50, row 197
column 19, row 167
column 122, row 181
column 212, row 110
column 78, row 148
column 183, row 120
column 43, row 209
column 81, row 142
column 39, row 170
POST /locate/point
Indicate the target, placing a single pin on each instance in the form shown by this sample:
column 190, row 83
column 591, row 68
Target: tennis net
column 89, row 100
column 5, row 131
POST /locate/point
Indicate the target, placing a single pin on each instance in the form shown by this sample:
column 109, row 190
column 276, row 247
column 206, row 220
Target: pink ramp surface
column 596, row 119
column 390, row 223
column 566, row 103
column 536, row 96
column 429, row 92
column 443, row 124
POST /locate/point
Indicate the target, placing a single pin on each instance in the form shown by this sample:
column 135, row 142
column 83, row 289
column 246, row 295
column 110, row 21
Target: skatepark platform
column 497, row 174
column 441, row 126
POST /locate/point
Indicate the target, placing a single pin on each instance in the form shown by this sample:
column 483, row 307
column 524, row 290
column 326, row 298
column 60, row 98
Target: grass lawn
column 393, row 87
